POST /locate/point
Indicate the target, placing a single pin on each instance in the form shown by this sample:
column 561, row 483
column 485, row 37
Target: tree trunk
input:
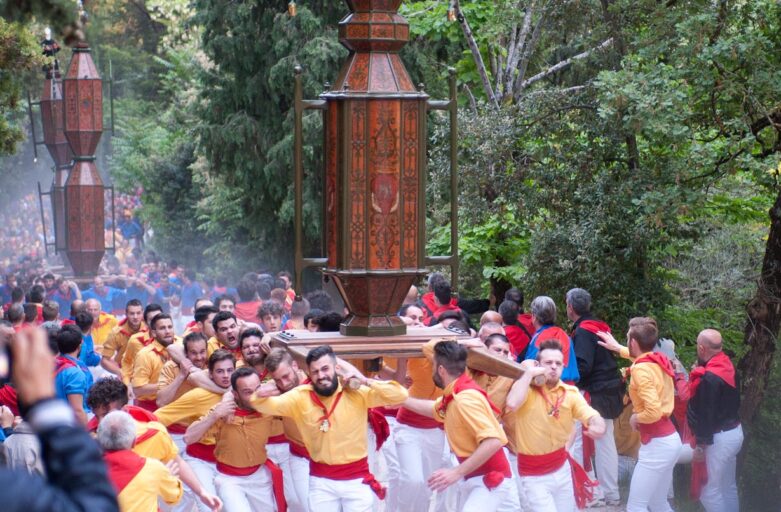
column 764, row 319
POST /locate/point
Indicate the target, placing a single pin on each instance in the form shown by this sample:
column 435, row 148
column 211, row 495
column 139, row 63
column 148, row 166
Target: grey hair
column 580, row 300
column 435, row 277
column 544, row 309
column 117, row 431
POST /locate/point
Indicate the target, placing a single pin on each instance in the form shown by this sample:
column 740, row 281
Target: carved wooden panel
column 409, row 184
column 358, row 204
column 385, row 197
column 331, row 176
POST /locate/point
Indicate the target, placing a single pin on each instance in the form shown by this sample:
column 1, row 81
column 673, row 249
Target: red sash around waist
column 493, row 471
column 201, row 451
column 416, row 420
column 277, row 484
column 299, row 450
column 149, row 405
column 277, row 439
column 662, row 428
column 379, row 426
column 349, row 471
column 227, row 469
column 177, row 428
column 538, row 465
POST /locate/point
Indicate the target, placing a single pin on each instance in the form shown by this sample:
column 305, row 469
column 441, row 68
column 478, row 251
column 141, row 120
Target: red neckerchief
column 243, row 413
column 127, row 332
column 657, row 358
column 719, row 365
column 593, row 326
column 123, row 466
column 264, row 374
column 326, row 413
column 463, row 383
column 146, row 340
column 554, row 407
column 162, row 353
column 62, row 363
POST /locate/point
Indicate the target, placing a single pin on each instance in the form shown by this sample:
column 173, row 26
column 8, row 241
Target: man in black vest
column 601, row 384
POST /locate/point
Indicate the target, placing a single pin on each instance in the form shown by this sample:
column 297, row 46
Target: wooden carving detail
column 331, row 176
column 358, row 186
column 409, row 184
column 384, row 171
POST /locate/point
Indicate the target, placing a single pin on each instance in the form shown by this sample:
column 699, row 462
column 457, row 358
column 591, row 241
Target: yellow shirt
column 116, row 342
column 651, row 390
column 498, row 388
column 241, row 442
column 141, row 493
column 469, row 420
column 345, row 440
column 537, row 432
column 188, row 408
column 102, row 328
column 134, row 345
column 160, row 446
column 168, row 374
column 149, row 363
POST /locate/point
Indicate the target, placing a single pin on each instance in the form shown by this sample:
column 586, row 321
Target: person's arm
column 443, row 478
column 198, row 429
column 75, row 288
column 76, row 474
column 76, row 403
column 609, row 342
column 190, row 479
column 169, row 485
column 141, row 384
column 420, row 406
column 167, row 387
column 520, row 388
column 702, row 411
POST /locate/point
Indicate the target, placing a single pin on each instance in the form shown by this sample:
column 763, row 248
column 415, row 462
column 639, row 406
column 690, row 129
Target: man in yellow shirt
column 150, row 361
column 286, row 375
column 420, row 440
column 173, row 381
column 116, row 343
column 544, row 420
column 652, row 391
column 333, row 423
column 226, row 334
column 103, row 322
column 139, row 481
column 194, row 404
column 472, row 431
column 136, row 342
column 152, row 440
column 245, row 473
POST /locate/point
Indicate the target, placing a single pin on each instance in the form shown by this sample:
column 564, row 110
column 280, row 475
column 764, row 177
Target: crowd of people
column 193, row 408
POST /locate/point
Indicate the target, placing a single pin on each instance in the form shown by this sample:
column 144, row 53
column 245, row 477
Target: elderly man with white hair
column 139, row 481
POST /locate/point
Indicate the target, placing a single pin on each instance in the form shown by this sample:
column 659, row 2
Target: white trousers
column 279, row 453
column 474, row 496
column 720, row 494
column 511, row 502
column 326, row 495
column 189, row 499
column 246, row 493
column 552, row 492
column 299, row 474
column 206, row 472
column 420, row 453
column 523, row 501
column 605, row 461
column 652, row 476
column 388, row 452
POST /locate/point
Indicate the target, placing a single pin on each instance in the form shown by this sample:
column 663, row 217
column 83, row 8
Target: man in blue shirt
column 64, row 295
column 72, row 378
column 87, row 355
column 191, row 291
column 7, row 288
column 106, row 295
column 139, row 288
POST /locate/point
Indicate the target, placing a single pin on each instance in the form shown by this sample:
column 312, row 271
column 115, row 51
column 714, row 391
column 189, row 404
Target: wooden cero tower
column 375, row 167
column 84, row 190
column 374, row 194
